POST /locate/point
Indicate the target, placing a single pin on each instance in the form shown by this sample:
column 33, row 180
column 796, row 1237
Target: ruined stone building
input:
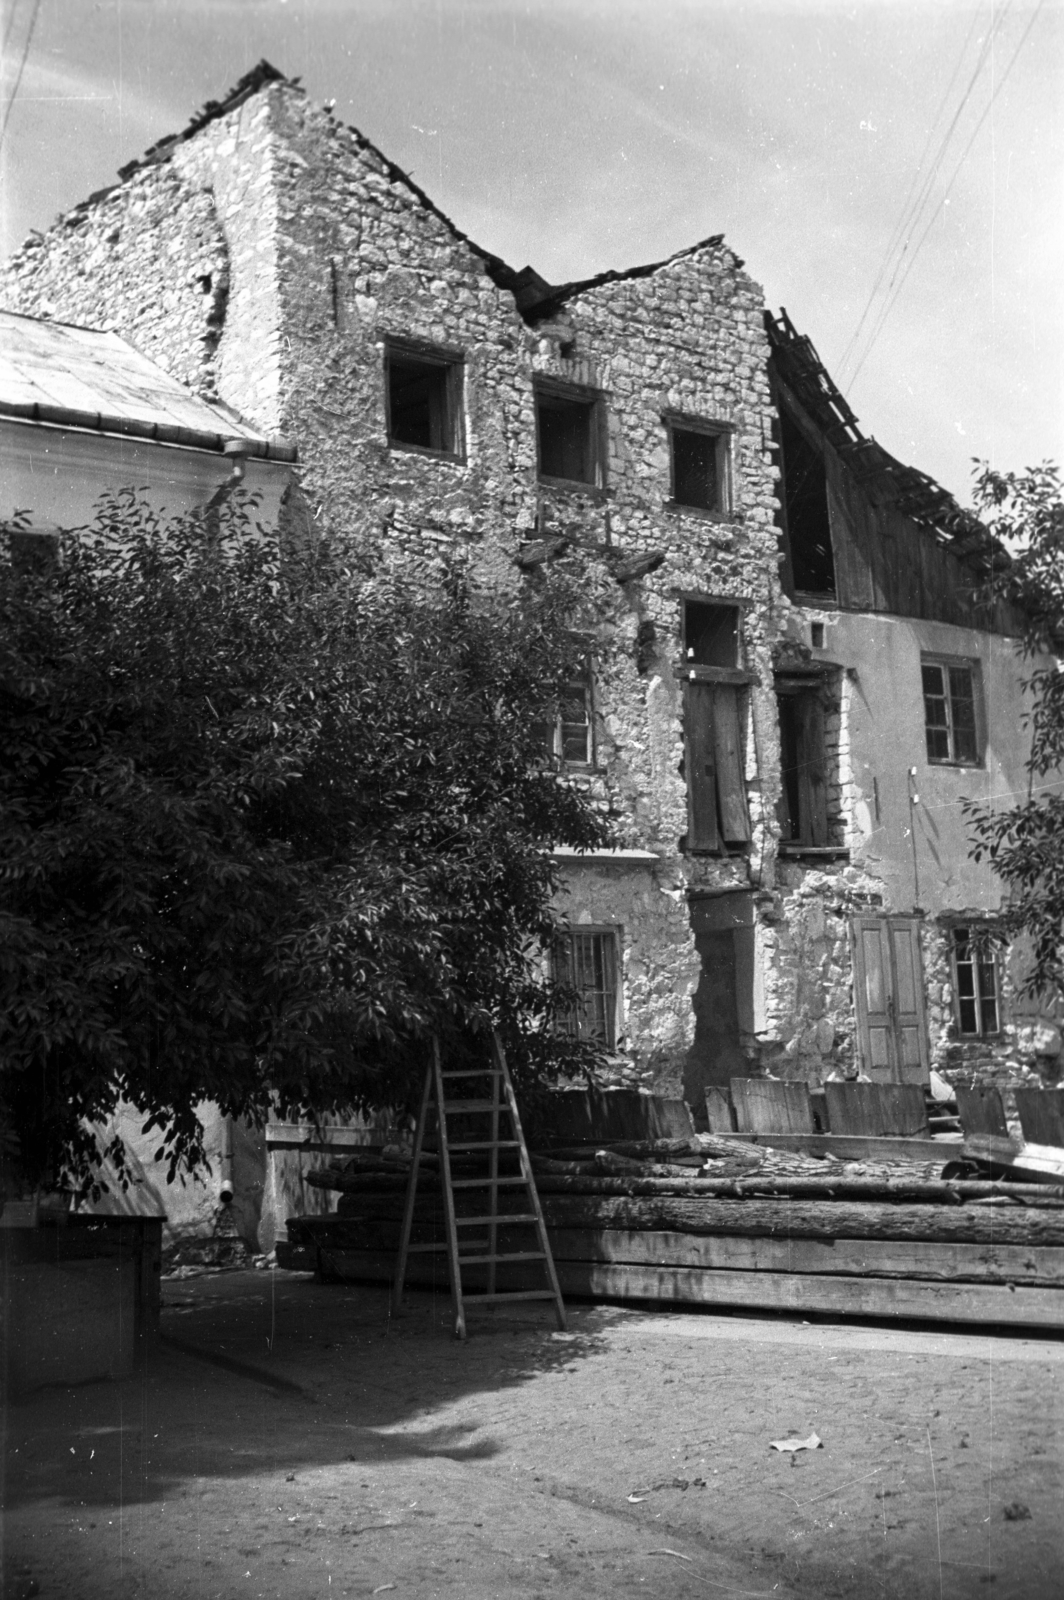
column 791, row 687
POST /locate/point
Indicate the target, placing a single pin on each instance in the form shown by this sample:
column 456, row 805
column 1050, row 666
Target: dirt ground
column 315, row 1449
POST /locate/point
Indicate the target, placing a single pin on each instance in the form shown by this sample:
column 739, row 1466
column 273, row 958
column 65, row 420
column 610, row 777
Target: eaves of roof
column 158, row 432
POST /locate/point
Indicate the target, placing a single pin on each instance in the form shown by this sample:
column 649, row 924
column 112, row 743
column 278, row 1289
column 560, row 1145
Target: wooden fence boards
column 764, row 1105
column 875, row 1109
column 981, row 1111
column 1041, row 1113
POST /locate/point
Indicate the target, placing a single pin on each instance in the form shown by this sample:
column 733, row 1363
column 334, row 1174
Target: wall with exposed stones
column 270, row 255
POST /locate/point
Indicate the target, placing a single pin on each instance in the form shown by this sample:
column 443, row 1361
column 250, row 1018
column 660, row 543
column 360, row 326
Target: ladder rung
column 512, row 1255
column 488, row 1144
column 456, row 1108
column 513, row 1294
column 503, row 1218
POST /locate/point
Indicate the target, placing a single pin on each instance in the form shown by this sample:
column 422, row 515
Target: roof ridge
column 260, row 75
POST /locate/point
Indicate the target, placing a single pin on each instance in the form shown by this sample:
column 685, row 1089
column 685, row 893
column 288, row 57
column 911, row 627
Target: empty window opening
column 698, row 468
column 816, row 635
column 803, row 814
column 710, row 634
column 587, row 963
column 567, row 436
column 975, row 987
column 950, row 712
column 805, row 494
column 423, row 401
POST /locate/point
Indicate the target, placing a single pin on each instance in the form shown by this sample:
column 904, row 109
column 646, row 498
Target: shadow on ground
column 258, row 1370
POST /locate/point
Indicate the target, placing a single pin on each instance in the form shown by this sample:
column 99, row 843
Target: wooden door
column 889, row 999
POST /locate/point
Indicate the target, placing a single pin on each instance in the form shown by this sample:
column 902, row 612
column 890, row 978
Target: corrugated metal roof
column 85, row 378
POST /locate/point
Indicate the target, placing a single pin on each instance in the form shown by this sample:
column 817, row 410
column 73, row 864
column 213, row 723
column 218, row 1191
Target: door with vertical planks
column 889, row 999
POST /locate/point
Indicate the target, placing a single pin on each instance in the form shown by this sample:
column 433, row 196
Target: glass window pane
column 962, row 710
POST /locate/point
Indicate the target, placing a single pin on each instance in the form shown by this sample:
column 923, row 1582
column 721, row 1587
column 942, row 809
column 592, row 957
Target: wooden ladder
column 499, row 1102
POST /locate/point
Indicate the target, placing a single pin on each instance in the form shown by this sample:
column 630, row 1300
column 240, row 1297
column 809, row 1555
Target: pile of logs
column 704, row 1221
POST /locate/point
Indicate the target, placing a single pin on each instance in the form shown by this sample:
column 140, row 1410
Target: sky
column 891, row 173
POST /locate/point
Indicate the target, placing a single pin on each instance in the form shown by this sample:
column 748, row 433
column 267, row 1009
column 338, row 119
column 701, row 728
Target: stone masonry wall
column 316, row 250
column 146, row 260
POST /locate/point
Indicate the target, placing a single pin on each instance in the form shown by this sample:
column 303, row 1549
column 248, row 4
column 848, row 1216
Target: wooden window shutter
column 731, row 787
column 700, row 765
column 813, row 780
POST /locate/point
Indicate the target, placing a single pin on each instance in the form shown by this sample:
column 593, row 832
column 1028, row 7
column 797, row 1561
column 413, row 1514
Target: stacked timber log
column 704, row 1220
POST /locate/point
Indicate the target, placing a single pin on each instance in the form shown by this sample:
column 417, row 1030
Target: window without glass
column 587, row 963
column 710, row 634
column 568, row 737
column 699, row 467
column 975, row 982
column 714, row 741
column 568, row 434
column 424, row 391
column 805, row 498
column 950, row 689
column 803, row 812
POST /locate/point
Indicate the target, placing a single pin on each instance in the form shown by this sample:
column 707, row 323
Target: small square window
column 976, row 990
column 424, row 391
column 587, row 963
column 950, row 711
column 568, row 435
column 710, row 634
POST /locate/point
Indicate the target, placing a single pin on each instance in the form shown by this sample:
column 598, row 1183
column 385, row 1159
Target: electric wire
column 899, row 227
column 910, row 214
column 890, row 304
column 21, row 68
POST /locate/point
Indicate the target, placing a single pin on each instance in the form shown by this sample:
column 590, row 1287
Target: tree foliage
column 268, row 821
column 1024, row 843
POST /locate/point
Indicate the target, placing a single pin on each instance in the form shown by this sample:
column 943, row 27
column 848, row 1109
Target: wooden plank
column 910, row 1010
column 1024, row 1163
column 953, row 1263
column 981, row 1110
column 700, row 764
column 729, row 753
column 872, row 994
column 1041, row 1113
column 797, row 1293
column 763, row 1105
column 719, row 1111
column 850, row 1148
column 309, row 1136
column 875, row 1110
column 807, row 1219
column 931, row 1259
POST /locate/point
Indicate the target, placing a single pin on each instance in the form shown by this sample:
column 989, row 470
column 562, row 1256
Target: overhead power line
column 21, row 65
column 909, row 217
column 911, row 262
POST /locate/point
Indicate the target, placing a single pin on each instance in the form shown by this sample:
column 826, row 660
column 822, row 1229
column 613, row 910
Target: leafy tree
column 1025, row 844
column 268, row 821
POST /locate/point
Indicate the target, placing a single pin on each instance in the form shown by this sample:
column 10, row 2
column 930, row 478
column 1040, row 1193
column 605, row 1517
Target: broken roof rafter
column 913, row 492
